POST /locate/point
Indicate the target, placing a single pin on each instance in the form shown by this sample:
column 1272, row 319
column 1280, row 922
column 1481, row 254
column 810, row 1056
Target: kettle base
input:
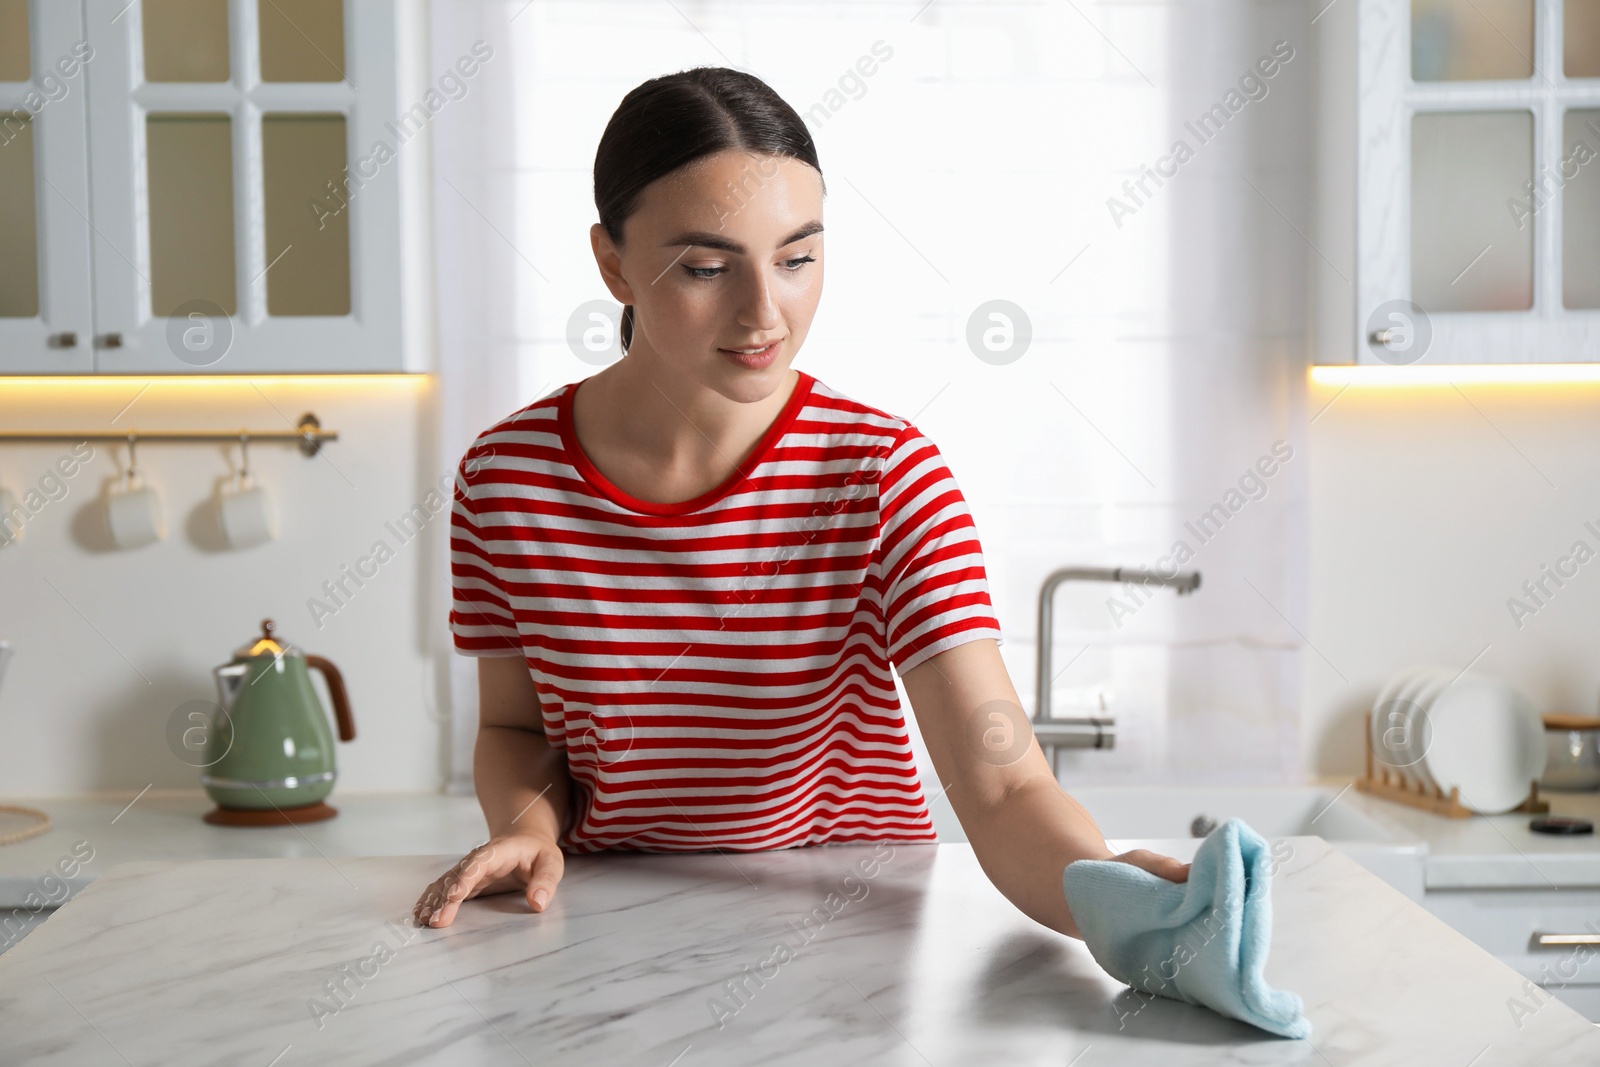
column 220, row 816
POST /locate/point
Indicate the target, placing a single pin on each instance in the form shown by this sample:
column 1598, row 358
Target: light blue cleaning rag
column 1203, row 941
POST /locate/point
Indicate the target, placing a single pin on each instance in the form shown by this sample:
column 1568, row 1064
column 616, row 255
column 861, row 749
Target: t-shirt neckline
column 602, row 485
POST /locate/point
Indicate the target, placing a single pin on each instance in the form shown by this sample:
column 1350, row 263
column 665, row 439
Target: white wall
column 1431, row 505
column 976, row 163
column 108, row 643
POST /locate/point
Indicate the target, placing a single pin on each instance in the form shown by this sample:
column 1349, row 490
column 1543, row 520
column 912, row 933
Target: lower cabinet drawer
column 1510, row 922
column 1584, row 999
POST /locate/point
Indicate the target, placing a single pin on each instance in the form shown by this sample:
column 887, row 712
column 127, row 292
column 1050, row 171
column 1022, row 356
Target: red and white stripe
column 718, row 670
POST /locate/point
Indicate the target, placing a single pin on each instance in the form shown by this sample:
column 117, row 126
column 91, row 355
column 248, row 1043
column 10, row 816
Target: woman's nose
column 759, row 310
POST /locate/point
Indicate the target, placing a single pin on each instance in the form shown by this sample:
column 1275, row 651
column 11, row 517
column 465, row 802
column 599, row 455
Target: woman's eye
column 707, row 273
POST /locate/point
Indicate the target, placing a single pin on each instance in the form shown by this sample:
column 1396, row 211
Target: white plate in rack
column 1486, row 738
column 1383, row 721
column 1436, row 681
column 1395, row 746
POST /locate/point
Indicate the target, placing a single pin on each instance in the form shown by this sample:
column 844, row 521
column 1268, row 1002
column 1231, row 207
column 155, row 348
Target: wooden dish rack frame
column 1389, row 783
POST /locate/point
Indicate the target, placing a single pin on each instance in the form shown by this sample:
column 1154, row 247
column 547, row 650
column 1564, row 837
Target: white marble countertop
column 166, row 825
column 1494, row 851
column 920, row 962
column 1482, row 852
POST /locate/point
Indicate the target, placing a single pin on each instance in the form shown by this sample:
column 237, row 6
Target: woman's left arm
column 1023, row 827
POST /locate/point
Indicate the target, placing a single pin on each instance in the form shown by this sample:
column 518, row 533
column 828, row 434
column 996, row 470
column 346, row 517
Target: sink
column 1272, row 811
column 1138, row 813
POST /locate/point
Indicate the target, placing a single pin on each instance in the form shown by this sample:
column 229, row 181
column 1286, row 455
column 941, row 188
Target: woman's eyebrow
column 707, row 239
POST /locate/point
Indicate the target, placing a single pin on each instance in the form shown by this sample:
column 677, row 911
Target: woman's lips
column 755, row 360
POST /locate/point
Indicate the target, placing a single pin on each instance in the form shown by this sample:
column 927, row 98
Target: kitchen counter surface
column 1477, row 853
column 166, row 825
column 1496, row 851
column 911, row 957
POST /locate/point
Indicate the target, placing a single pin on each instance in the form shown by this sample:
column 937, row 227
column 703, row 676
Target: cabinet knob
column 109, row 340
column 65, row 339
column 1383, row 336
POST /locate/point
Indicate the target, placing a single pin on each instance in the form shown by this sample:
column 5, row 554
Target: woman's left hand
column 1157, row 864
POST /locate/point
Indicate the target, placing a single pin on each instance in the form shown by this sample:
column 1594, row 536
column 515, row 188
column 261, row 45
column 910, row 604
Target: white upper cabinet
column 230, row 201
column 46, row 318
column 1459, row 178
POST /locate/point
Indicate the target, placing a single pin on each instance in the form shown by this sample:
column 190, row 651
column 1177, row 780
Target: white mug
column 246, row 515
column 12, row 518
column 133, row 514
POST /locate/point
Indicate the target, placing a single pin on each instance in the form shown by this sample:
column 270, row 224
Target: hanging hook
column 133, row 463
column 244, row 453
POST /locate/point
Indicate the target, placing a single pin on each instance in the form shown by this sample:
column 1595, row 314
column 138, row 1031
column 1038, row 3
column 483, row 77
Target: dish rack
column 1389, row 784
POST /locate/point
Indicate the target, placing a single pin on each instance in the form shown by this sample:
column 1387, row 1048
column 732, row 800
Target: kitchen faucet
column 1092, row 731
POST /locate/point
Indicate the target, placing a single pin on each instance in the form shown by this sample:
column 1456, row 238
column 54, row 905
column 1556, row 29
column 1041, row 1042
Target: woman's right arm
column 522, row 787
column 521, row 779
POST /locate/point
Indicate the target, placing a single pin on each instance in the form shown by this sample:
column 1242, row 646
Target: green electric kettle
column 269, row 758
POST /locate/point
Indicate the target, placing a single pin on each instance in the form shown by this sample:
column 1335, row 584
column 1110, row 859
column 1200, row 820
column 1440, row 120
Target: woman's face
column 725, row 253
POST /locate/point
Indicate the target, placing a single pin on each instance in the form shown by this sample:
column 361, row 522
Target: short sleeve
column 482, row 622
column 936, row 591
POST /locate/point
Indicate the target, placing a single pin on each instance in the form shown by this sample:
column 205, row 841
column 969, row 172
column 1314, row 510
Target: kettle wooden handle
column 336, row 690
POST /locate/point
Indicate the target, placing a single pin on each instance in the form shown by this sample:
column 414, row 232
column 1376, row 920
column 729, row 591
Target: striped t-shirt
column 718, row 670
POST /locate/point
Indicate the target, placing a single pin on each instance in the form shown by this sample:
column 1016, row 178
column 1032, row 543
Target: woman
column 686, row 577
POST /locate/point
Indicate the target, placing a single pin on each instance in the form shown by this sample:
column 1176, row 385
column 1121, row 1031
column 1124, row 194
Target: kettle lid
column 267, row 644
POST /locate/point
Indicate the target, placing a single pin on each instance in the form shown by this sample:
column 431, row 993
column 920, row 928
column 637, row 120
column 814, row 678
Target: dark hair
column 675, row 119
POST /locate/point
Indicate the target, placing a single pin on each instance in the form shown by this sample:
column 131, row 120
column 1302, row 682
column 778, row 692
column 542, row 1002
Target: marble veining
column 900, row 955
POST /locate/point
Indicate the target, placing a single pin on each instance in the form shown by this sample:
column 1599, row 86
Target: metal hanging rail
column 308, row 432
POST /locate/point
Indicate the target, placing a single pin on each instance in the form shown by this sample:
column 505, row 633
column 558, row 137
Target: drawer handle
column 1553, row 940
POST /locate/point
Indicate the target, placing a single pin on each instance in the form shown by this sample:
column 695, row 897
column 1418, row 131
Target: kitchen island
column 835, row 955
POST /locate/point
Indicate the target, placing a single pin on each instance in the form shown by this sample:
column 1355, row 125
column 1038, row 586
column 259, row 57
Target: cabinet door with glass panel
column 45, row 314
column 1478, row 181
column 235, row 229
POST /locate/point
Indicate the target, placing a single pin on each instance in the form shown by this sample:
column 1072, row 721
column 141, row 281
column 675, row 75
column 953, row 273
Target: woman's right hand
column 532, row 863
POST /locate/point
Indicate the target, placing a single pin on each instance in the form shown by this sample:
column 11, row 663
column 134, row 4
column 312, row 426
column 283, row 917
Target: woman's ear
column 609, row 258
